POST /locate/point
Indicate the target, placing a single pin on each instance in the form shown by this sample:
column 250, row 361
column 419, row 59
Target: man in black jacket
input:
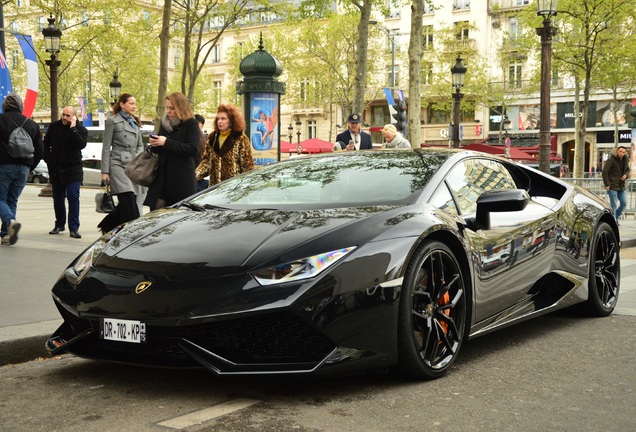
column 14, row 172
column 63, row 144
column 354, row 138
column 615, row 172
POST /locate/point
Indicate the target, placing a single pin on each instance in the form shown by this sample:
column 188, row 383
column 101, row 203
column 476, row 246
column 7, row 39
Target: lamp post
column 459, row 73
column 391, row 37
column 290, row 129
column 298, row 125
column 547, row 9
column 115, row 87
column 52, row 36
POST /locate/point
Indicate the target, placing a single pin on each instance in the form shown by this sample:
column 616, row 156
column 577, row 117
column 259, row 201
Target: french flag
column 26, row 44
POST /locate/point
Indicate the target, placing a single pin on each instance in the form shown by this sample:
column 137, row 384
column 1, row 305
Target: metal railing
column 595, row 185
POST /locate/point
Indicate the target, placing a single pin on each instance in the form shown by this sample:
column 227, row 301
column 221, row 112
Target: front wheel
column 433, row 313
column 605, row 272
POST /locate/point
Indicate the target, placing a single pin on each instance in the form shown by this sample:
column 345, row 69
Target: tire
column 605, row 272
column 433, row 313
column 36, row 180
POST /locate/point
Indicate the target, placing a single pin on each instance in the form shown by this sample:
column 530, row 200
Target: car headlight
column 303, row 268
column 75, row 273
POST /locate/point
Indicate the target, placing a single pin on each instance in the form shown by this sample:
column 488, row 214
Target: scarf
column 170, row 125
column 130, row 119
column 223, row 136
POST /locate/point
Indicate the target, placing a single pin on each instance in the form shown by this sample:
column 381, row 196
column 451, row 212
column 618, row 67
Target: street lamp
column 115, row 87
column 298, row 125
column 546, row 9
column 291, row 134
column 391, row 37
column 459, row 72
column 52, row 36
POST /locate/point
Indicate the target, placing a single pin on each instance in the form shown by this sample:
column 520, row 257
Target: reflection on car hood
column 228, row 242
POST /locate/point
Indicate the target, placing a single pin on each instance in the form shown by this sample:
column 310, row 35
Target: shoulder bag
column 142, row 170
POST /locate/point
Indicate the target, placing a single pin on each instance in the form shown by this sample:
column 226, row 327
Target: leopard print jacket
column 222, row 163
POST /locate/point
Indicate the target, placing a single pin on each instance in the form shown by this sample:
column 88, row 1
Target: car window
column 348, row 180
column 472, row 177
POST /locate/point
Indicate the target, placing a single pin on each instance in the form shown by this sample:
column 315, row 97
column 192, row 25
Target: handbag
column 104, row 202
column 142, row 170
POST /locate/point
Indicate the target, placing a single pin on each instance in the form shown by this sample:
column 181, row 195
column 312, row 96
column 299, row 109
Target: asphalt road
column 556, row 373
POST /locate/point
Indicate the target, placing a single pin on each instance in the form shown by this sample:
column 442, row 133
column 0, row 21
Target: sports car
column 341, row 262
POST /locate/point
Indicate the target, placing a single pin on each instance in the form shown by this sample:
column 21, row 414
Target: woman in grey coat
column 122, row 142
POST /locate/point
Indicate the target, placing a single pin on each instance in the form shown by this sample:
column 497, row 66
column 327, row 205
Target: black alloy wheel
column 605, row 272
column 433, row 313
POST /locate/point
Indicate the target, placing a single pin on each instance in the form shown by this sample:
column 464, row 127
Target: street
column 560, row 372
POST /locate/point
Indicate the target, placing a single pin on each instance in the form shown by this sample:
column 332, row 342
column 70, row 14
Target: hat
column 354, row 118
column 13, row 102
column 389, row 128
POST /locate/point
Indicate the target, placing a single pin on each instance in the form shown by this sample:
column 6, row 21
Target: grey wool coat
column 122, row 143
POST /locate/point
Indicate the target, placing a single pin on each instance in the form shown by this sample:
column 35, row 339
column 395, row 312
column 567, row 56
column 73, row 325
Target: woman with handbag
column 122, row 142
column 177, row 147
column 229, row 151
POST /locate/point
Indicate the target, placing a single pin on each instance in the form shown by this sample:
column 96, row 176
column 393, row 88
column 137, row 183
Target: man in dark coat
column 14, row 172
column 615, row 172
column 63, row 144
column 354, row 138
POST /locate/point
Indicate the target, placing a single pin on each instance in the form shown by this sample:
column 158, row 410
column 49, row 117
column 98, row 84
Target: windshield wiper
column 193, row 206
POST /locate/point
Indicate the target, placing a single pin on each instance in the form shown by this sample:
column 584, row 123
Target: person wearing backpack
column 18, row 156
column 63, row 144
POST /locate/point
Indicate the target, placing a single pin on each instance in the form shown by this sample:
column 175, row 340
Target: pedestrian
column 177, row 146
column 63, row 144
column 14, row 171
column 202, row 183
column 122, row 142
column 615, row 172
column 229, row 151
column 354, row 138
column 393, row 138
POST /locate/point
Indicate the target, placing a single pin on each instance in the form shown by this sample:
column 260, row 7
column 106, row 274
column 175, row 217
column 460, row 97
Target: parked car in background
column 92, row 172
column 40, row 174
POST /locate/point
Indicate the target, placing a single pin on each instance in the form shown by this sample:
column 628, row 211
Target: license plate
column 122, row 330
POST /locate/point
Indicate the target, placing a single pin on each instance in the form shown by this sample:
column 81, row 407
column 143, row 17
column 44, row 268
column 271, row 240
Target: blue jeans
column 13, row 177
column 61, row 193
column 621, row 197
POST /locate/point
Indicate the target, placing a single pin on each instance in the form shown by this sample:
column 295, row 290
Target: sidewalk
column 30, row 268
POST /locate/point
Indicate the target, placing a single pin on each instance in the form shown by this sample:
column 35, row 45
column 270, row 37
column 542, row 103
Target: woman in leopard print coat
column 229, row 150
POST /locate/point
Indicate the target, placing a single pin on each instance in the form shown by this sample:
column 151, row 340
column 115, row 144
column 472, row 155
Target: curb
column 22, row 343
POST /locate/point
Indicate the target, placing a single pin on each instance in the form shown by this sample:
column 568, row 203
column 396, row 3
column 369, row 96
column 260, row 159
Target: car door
column 512, row 254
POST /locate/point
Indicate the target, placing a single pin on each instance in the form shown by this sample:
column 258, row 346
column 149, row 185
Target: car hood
column 225, row 242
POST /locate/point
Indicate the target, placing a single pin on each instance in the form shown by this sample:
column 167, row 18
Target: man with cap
column 354, row 138
column 14, row 171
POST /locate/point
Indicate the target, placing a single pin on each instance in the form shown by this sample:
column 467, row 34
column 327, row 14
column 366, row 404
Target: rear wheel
column 37, row 180
column 605, row 272
column 433, row 309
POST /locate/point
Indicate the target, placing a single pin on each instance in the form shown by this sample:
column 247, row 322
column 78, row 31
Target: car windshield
column 336, row 180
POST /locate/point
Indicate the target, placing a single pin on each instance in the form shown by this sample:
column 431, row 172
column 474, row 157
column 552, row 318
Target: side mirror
column 499, row 201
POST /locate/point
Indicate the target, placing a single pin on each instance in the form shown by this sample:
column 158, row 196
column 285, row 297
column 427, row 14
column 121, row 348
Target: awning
column 515, row 153
column 313, row 145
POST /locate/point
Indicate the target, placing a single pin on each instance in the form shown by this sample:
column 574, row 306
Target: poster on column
column 264, row 127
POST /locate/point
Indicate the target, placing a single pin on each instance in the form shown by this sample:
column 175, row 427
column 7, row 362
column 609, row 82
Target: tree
column 415, row 73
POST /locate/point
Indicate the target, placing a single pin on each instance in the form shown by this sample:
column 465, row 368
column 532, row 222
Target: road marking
column 207, row 414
